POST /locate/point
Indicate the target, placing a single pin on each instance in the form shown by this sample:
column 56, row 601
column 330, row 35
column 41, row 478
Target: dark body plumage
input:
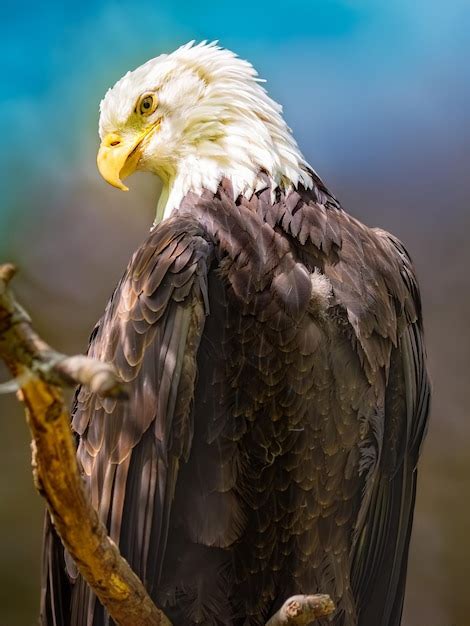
column 278, row 400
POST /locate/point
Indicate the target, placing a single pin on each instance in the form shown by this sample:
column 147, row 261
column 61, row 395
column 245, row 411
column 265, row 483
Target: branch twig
column 27, row 349
column 56, row 470
column 302, row 610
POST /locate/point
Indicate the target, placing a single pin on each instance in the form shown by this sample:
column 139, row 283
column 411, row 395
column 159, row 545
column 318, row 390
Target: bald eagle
column 273, row 349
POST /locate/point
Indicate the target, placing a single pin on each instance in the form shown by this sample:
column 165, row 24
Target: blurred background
column 378, row 96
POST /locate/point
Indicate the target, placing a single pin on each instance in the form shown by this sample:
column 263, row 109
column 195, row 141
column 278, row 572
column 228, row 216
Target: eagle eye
column 147, row 104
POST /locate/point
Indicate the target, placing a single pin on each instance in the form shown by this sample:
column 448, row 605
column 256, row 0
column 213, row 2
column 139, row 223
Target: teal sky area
column 358, row 79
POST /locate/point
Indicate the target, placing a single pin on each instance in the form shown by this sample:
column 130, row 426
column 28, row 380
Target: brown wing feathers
column 130, row 451
column 299, row 439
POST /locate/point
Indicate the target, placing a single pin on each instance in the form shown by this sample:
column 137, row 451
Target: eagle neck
column 196, row 175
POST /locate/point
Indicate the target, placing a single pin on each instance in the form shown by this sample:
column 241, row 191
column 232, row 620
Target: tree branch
column 40, row 371
column 24, row 346
column 302, row 610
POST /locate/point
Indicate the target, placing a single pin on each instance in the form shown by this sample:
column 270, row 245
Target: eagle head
column 193, row 117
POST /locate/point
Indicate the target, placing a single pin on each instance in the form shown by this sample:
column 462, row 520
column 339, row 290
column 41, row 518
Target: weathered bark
column 40, row 370
column 302, row 610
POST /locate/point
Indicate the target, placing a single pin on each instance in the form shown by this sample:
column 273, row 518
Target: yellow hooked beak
column 119, row 156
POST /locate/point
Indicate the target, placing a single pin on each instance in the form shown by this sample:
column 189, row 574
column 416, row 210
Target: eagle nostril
column 115, row 143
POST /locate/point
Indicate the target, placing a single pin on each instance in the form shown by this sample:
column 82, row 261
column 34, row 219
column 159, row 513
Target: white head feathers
column 216, row 121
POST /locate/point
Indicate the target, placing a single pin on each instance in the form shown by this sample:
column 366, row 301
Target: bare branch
column 28, row 350
column 55, row 466
column 302, row 610
column 40, row 371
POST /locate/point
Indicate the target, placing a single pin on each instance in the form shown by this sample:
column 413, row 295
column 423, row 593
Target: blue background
column 378, row 96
